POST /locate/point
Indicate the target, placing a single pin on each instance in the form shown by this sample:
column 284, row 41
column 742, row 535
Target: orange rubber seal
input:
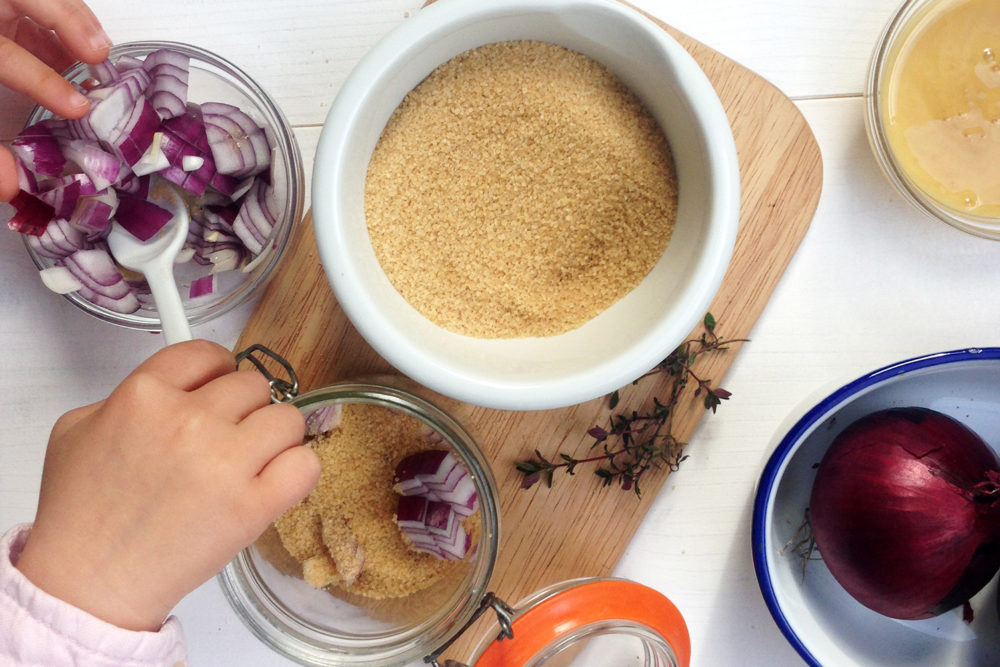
column 582, row 605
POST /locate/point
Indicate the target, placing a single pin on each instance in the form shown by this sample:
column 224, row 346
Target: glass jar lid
column 589, row 622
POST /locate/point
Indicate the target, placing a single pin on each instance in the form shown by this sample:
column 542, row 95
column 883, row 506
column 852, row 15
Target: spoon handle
column 169, row 306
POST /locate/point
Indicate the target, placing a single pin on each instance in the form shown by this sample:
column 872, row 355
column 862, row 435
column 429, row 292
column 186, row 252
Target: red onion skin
column 904, row 512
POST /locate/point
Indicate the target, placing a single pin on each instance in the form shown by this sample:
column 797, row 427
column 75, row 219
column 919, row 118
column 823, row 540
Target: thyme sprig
column 635, row 442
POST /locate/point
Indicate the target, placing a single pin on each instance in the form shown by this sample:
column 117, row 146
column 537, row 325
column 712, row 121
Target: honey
column 941, row 105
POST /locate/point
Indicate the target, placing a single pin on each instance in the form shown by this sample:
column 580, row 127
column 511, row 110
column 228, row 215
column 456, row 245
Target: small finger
column 287, row 479
column 73, row 22
column 190, row 364
column 268, row 432
column 237, row 394
column 24, row 73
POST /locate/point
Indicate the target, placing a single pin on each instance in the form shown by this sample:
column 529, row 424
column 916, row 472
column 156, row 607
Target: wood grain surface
column 577, row 528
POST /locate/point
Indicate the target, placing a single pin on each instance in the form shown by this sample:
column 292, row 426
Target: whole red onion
column 905, row 511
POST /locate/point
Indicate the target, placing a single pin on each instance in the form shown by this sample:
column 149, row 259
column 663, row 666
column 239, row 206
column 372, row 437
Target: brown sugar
column 344, row 534
column 519, row 190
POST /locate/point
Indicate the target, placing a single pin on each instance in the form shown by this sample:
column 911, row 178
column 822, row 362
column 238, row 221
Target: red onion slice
column 26, row 180
column 102, row 282
column 254, row 222
column 141, row 217
column 31, row 215
column 239, row 145
column 203, row 286
column 168, row 87
column 104, row 72
column 103, row 168
column 62, row 194
column 437, row 493
column 60, row 280
column 60, row 239
column 92, row 215
column 39, row 150
column 324, row 419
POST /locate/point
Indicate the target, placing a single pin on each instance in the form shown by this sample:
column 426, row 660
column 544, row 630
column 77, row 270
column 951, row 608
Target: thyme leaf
column 633, row 443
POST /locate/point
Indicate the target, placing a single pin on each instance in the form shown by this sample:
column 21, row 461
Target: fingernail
column 100, row 40
column 77, row 100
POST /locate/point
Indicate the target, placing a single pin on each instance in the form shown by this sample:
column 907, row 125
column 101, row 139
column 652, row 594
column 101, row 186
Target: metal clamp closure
column 282, row 391
column 505, row 617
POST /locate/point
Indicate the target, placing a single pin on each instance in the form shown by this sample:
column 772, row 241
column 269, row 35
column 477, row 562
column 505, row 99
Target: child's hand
column 37, row 41
column 149, row 493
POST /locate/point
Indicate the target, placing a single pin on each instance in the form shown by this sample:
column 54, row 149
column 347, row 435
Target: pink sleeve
column 38, row 629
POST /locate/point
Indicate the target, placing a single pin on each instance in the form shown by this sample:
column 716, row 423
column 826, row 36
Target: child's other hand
column 37, row 41
column 149, row 493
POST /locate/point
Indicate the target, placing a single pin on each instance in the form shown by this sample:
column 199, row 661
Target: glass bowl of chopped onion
column 162, row 114
column 390, row 555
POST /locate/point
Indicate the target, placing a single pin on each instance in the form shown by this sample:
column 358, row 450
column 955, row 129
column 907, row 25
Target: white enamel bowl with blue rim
column 822, row 622
column 632, row 335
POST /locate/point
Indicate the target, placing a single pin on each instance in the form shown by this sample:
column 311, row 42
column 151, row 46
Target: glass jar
column 211, row 79
column 935, row 182
column 313, row 627
column 588, row 622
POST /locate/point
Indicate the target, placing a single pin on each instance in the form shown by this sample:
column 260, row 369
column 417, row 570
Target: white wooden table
column 873, row 282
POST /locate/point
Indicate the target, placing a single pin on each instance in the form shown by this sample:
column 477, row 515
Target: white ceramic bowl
column 628, row 338
column 817, row 616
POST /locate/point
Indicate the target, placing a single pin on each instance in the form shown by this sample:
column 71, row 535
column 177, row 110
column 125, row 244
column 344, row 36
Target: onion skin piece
column 31, row 215
column 910, row 474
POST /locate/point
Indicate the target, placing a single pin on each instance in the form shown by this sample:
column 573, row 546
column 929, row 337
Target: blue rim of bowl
column 769, row 476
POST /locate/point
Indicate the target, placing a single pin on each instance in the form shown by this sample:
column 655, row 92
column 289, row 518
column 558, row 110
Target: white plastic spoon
column 155, row 260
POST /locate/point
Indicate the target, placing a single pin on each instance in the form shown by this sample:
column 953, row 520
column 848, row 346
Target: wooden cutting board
column 548, row 534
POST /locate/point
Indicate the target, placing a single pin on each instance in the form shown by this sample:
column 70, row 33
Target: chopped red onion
column 437, row 493
column 39, row 150
column 169, row 85
column 239, row 146
column 104, row 72
column 60, row 280
column 323, row 419
column 103, row 168
column 153, row 160
column 125, row 63
column 141, row 217
column 31, row 215
column 76, row 176
column 102, row 282
column 254, row 222
column 134, row 185
column 63, row 193
column 26, row 180
column 92, row 215
column 203, row 286
column 59, row 240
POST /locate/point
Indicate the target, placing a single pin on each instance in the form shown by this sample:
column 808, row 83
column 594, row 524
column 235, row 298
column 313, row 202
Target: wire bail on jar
column 282, row 391
column 505, row 617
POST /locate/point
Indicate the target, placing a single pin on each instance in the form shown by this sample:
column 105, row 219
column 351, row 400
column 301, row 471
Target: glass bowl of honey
column 933, row 110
